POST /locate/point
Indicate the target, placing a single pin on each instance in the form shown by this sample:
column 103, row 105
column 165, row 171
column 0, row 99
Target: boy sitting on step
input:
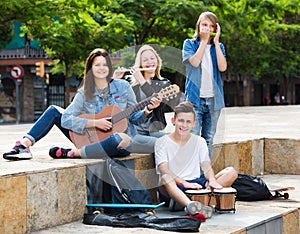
column 179, row 158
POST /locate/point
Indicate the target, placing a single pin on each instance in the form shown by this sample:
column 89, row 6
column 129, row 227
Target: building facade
column 23, row 98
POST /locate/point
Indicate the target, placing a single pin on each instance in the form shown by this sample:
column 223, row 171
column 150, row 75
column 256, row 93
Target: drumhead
column 225, row 190
column 197, row 191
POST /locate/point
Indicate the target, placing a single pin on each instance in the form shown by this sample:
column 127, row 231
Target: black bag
column 123, row 186
column 251, row 188
column 138, row 219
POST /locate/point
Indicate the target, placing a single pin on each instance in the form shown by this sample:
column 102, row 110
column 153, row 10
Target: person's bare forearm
column 196, row 59
column 221, row 60
column 163, row 169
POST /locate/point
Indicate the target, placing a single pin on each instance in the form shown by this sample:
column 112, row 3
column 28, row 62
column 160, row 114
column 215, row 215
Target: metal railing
column 22, row 53
column 28, row 52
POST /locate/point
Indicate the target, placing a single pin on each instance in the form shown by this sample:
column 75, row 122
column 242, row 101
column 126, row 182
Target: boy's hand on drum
column 213, row 184
column 188, row 185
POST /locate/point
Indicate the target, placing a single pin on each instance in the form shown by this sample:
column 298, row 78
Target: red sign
column 16, row 72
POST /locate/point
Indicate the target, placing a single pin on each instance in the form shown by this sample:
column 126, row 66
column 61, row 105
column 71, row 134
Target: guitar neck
column 126, row 113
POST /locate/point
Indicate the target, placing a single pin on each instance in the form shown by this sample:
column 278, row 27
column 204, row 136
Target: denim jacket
column 193, row 74
column 120, row 95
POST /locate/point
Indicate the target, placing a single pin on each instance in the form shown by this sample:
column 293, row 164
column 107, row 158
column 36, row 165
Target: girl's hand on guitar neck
column 154, row 103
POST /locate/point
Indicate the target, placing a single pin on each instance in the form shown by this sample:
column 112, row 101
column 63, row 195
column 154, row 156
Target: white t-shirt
column 207, row 88
column 183, row 160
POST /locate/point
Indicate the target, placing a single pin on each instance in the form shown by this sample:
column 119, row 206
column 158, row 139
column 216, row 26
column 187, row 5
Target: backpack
column 113, row 182
column 251, row 188
column 122, row 186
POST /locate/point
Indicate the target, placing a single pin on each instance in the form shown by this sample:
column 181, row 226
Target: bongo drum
column 200, row 195
column 225, row 199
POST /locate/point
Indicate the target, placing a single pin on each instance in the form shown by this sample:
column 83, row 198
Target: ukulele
column 119, row 119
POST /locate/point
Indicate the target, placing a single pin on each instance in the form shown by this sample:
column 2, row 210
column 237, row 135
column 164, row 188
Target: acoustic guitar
column 119, row 119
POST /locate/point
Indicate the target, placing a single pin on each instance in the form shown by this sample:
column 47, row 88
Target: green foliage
column 6, row 35
column 261, row 36
column 159, row 21
column 256, row 35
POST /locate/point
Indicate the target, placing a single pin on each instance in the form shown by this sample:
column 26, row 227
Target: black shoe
column 56, row 152
column 19, row 152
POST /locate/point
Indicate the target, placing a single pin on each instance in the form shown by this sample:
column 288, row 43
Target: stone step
column 43, row 193
column 48, row 193
column 278, row 216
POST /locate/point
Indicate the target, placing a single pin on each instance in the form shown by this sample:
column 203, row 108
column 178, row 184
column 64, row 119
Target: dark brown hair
column 184, row 107
column 89, row 81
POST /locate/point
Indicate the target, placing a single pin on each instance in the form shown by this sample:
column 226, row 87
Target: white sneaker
column 19, row 152
column 195, row 207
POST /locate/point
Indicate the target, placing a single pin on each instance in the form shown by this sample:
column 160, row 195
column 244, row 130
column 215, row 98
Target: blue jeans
column 105, row 148
column 109, row 148
column 207, row 120
column 50, row 117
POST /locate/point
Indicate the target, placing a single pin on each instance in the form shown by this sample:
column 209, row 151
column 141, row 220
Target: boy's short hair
column 184, row 107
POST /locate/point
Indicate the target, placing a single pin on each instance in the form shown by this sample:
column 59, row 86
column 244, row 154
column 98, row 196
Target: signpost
column 16, row 73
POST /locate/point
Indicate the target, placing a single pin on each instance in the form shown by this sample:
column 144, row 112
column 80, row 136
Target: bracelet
column 147, row 110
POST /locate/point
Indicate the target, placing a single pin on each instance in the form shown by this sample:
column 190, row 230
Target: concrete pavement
column 236, row 124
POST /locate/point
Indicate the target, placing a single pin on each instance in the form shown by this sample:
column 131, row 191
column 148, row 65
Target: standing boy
column 204, row 58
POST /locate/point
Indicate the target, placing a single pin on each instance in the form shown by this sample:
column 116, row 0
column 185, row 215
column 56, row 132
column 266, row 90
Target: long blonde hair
column 138, row 62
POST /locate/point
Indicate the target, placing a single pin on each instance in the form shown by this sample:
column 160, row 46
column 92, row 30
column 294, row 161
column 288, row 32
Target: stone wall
column 42, row 199
column 281, row 156
column 45, row 198
column 240, row 155
column 259, row 156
